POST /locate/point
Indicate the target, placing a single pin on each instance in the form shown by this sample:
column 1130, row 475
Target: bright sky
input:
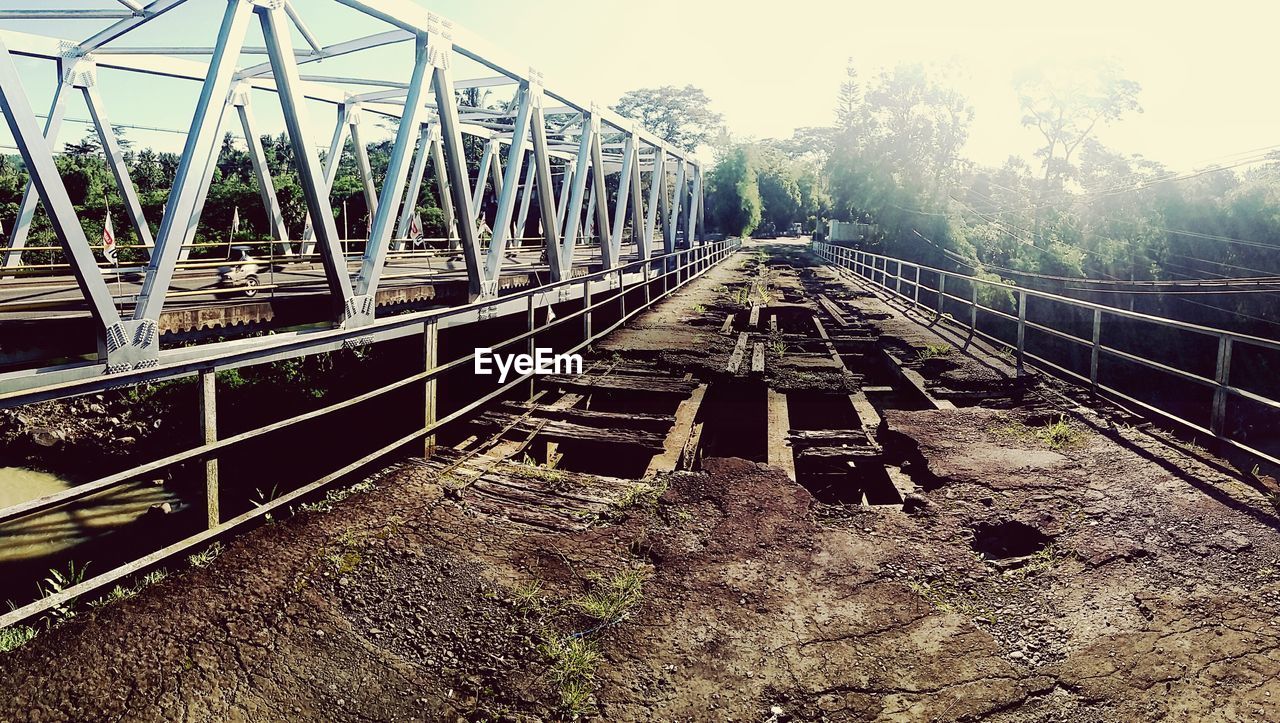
column 772, row 68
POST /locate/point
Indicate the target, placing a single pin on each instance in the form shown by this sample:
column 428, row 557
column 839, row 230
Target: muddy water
column 54, row 532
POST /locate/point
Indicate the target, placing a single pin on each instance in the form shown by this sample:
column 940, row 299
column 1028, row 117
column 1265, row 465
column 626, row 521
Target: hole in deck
column 1005, row 540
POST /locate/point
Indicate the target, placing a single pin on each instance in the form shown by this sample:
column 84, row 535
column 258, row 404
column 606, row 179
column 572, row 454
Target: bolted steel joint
column 133, row 344
column 359, row 312
column 80, row 73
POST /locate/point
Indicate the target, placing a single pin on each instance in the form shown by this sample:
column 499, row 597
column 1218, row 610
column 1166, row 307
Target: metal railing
column 656, row 277
column 891, row 275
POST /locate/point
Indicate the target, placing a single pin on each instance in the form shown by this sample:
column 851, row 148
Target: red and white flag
column 415, row 226
column 109, row 241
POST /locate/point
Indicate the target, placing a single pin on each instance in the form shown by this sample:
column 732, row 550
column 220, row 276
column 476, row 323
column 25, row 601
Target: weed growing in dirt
column 528, row 596
column 1057, row 435
column 573, row 666
column 1274, row 499
column 333, row 497
column 944, row 598
column 59, row 581
column 641, row 495
column 544, row 472
column 1060, row 435
column 609, row 600
column 12, row 638
column 205, row 558
column 117, row 594
column 1042, row 561
column 699, row 309
column 934, row 351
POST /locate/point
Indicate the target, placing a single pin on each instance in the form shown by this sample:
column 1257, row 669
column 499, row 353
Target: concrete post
column 430, row 357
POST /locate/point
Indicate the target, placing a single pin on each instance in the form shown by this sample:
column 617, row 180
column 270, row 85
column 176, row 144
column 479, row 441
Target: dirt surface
column 1098, row 573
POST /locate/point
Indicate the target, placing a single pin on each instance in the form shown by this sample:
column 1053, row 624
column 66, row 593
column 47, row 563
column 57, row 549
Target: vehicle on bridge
column 242, row 273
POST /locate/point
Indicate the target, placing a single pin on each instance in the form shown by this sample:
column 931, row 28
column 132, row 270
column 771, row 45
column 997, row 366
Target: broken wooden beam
column 727, row 327
column 561, row 430
column 757, row 358
column 779, row 421
column 618, row 420
column 739, row 352
column 832, row 309
column 754, row 321
column 680, row 447
column 623, row 382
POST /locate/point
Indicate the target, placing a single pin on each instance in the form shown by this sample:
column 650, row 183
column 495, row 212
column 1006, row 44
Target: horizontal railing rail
column 891, row 274
column 674, row 271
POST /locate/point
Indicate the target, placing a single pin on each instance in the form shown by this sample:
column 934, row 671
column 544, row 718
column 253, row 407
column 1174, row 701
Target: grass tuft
column 934, row 351
column 609, row 600
column 15, row 637
column 205, row 558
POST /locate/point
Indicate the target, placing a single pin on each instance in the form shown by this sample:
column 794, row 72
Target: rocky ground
column 1092, row 571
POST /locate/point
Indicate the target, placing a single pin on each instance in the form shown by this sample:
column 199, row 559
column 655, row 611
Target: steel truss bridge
column 656, row 210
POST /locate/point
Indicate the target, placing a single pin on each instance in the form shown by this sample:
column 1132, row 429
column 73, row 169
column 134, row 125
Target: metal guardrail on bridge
column 893, row 274
column 651, row 280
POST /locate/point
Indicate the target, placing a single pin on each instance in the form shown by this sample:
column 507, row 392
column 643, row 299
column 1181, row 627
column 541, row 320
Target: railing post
column 209, row 433
column 622, row 295
column 1022, row 328
column 647, row 274
column 530, row 344
column 430, row 359
column 973, row 304
column 586, row 311
column 897, row 281
column 942, row 292
column 1222, row 376
column 916, row 286
column 1094, row 350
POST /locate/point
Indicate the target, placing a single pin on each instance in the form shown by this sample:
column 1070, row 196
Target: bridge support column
column 209, row 435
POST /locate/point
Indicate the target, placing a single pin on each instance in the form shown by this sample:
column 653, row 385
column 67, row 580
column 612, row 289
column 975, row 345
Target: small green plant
column 699, row 309
column 117, row 594
column 544, row 472
column 778, row 347
column 640, row 495
column 528, row 596
column 59, row 581
column 934, row 351
column 1274, row 499
column 573, row 667
column 1040, row 562
column 609, row 600
column 1060, row 434
column 14, row 637
column 205, row 558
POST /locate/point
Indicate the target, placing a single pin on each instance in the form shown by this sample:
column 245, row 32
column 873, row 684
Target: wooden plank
column 867, row 413
column 757, row 358
column 673, row 447
column 739, row 351
column 836, row 454
column 773, row 323
column 727, row 327
column 620, row 420
column 832, row 309
column 804, row 438
column 689, row 456
column 779, row 422
column 754, row 321
column 622, row 382
column 556, row 429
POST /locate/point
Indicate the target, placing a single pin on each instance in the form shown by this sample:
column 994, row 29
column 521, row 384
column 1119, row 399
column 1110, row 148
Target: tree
column 1066, row 105
column 680, row 115
column 733, row 193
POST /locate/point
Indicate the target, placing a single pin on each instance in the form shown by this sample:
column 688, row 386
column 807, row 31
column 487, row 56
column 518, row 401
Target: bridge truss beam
column 543, row 150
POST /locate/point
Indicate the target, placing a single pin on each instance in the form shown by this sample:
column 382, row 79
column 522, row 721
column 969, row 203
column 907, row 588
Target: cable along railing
column 1080, row 325
column 610, row 292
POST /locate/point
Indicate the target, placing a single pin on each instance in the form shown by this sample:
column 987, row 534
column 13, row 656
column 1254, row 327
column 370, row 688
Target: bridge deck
column 948, row 552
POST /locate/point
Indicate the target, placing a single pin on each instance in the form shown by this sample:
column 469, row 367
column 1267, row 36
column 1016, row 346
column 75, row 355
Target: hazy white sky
column 772, row 67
